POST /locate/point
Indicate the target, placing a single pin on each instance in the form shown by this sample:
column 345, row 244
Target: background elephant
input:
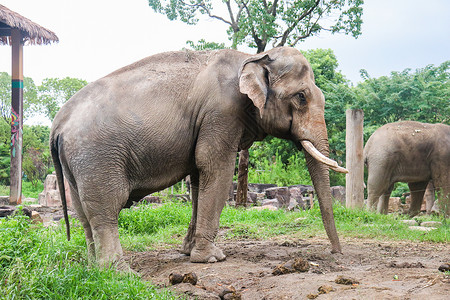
column 411, row 152
column 148, row 125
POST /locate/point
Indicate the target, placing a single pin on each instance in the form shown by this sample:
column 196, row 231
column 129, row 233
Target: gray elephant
column 148, row 125
column 411, row 152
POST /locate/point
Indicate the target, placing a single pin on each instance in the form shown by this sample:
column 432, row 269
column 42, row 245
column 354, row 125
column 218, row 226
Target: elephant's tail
column 54, row 148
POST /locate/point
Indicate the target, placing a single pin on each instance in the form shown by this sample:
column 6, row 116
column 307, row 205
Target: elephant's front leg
column 215, row 180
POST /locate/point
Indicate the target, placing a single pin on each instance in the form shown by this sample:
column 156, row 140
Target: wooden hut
column 16, row 31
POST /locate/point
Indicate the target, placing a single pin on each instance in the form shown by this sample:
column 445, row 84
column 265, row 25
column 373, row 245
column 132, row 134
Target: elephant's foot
column 188, row 245
column 206, row 252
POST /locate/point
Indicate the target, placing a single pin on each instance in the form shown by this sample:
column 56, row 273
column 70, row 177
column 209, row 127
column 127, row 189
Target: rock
column 260, row 187
column 338, row 193
column 36, row 217
column 431, row 224
column 435, row 208
column 279, row 193
column 4, row 200
column 10, row 210
column 252, row 197
column 272, row 202
column 28, row 201
column 346, row 280
column 394, row 204
column 295, row 194
column 51, row 196
column 151, row 199
column 421, row 228
column 305, row 189
column 312, row 296
column 410, row 222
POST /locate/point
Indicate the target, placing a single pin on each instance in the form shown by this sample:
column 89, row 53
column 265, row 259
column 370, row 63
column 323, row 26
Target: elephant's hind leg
column 417, row 190
column 189, row 241
column 85, row 223
column 383, row 201
column 102, row 211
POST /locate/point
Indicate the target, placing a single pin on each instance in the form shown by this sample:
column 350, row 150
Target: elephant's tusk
column 309, row 147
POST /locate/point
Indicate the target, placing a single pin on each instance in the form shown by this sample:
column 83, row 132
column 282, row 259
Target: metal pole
column 16, row 117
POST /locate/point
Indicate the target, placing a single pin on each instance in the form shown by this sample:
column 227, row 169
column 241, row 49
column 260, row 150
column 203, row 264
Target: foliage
column 145, row 219
column 258, row 23
column 287, row 168
column 55, row 92
column 422, row 95
column 204, row 45
column 39, row 263
column 30, row 99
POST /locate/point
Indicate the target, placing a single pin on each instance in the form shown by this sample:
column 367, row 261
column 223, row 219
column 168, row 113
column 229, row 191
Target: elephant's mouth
column 309, row 147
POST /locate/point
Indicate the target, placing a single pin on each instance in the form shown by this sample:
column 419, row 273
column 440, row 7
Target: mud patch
column 247, row 271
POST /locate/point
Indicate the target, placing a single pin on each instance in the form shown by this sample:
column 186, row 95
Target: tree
column 30, row 100
column 204, row 45
column 422, row 95
column 54, row 92
column 258, row 23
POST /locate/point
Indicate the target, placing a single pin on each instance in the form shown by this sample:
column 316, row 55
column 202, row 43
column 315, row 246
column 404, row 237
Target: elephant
column 411, row 152
column 146, row 126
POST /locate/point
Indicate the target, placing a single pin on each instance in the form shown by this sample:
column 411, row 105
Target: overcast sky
column 100, row 36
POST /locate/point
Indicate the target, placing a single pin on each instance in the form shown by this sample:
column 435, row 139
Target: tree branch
column 208, row 11
column 308, row 33
column 292, row 27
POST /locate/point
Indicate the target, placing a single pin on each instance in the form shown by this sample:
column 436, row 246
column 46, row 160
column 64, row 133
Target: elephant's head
column 281, row 85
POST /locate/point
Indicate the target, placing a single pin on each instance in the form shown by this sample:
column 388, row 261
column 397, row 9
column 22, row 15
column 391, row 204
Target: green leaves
column 257, row 23
column 54, row 92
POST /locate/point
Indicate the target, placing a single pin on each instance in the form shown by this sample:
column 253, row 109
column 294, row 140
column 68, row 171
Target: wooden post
column 354, row 143
column 16, row 117
column 242, row 184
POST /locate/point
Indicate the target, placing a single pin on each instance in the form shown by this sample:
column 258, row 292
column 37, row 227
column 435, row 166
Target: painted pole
column 354, row 144
column 16, row 117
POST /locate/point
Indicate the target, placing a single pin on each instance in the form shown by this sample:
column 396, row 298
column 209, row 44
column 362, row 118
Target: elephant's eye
column 301, row 98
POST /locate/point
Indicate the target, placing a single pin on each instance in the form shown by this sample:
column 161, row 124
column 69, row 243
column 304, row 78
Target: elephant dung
column 346, row 280
column 230, row 293
column 298, row 264
column 176, row 278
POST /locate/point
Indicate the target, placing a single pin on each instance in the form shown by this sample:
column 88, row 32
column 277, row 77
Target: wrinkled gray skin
column 411, row 152
column 148, row 125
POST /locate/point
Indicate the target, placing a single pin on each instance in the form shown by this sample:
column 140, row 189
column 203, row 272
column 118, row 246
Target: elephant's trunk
column 320, row 177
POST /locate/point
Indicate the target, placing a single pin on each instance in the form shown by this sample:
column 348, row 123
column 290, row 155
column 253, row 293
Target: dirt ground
column 384, row 270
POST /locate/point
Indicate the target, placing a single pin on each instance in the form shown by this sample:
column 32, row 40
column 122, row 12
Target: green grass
column 147, row 227
column 28, row 190
column 39, row 263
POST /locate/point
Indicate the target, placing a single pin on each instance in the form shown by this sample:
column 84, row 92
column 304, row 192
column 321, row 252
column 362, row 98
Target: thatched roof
column 32, row 32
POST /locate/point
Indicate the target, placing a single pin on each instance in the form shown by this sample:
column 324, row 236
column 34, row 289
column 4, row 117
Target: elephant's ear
column 253, row 80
